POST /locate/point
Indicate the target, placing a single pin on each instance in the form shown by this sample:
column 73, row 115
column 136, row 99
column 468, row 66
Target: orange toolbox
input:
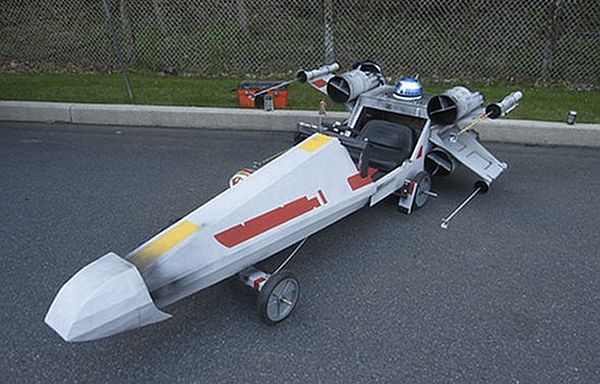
column 248, row 88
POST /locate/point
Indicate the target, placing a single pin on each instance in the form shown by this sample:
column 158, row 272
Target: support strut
column 480, row 187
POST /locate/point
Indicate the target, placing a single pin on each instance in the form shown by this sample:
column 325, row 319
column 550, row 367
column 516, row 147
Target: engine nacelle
column 453, row 104
column 349, row 85
column 440, row 162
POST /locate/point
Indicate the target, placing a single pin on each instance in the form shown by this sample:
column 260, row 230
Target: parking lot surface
column 510, row 293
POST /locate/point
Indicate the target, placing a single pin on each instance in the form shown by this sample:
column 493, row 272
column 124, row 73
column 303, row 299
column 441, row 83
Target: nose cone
column 106, row 297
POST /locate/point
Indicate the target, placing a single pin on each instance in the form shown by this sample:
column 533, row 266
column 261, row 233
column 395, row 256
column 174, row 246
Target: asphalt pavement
column 510, row 293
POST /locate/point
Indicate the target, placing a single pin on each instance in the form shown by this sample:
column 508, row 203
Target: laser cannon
column 304, row 76
column 506, row 106
column 322, row 73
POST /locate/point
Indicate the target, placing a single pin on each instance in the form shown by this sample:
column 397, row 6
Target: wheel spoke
column 279, row 290
column 285, row 288
column 278, row 309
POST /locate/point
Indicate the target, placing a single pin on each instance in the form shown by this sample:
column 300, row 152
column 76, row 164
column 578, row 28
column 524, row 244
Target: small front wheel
column 240, row 176
column 278, row 297
column 423, row 181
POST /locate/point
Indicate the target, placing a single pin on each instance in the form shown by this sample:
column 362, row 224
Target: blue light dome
column 408, row 88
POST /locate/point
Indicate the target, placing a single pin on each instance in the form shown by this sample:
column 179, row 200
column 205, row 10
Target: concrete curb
column 508, row 131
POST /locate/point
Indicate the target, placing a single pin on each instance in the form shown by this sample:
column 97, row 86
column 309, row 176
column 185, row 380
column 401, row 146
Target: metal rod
column 118, row 50
column 276, row 86
column 258, row 164
column 474, row 123
column 290, row 256
column 286, row 301
column 446, row 221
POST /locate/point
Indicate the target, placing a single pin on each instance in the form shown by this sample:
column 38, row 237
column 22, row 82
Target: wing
column 467, row 149
column 320, row 83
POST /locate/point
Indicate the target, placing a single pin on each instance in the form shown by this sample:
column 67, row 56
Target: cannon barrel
column 504, row 107
column 304, row 76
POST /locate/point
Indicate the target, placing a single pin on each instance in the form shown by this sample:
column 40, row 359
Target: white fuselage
column 307, row 188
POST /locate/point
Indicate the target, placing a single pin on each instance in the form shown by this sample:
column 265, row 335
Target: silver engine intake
column 453, row 104
column 349, row 85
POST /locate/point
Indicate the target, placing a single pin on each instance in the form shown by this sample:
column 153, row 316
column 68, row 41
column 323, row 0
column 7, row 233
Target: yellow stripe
column 164, row 243
column 315, row 142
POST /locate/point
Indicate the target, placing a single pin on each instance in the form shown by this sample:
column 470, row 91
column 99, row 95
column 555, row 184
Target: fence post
column 169, row 66
column 328, row 29
column 551, row 39
column 127, row 30
column 117, row 48
column 242, row 16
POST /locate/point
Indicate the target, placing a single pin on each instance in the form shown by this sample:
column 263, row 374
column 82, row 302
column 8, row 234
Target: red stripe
column 322, row 197
column 356, row 181
column 320, row 83
column 420, row 152
column 257, row 282
column 411, row 187
column 262, row 223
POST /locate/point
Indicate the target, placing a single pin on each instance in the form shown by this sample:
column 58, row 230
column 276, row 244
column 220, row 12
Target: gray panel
column 466, row 149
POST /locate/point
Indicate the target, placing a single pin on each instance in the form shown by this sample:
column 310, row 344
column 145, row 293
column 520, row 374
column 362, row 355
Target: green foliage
column 548, row 104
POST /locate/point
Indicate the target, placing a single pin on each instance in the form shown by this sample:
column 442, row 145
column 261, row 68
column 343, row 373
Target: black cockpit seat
column 391, row 143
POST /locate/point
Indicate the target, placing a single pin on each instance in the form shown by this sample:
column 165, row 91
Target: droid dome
column 408, row 88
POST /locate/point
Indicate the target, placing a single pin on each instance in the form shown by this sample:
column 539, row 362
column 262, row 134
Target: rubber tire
column 421, row 176
column 265, row 293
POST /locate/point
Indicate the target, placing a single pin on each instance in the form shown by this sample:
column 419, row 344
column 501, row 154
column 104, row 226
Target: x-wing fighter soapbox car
column 393, row 141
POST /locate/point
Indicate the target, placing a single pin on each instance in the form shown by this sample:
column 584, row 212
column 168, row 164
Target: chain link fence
column 531, row 41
